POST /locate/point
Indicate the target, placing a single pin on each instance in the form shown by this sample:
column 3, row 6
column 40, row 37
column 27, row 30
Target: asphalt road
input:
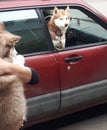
column 91, row 119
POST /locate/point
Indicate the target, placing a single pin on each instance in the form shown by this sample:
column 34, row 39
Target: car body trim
column 43, row 105
column 85, row 94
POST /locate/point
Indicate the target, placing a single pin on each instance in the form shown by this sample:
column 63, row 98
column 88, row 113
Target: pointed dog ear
column 15, row 38
column 55, row 11
column 67, row 11
column 2, row 27
column 67, row 8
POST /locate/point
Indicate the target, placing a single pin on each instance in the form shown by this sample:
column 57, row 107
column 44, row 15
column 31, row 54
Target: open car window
column 83, row 29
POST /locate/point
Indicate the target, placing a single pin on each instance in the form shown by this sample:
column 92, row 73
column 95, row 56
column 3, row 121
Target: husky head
column 58, row 25
column 7, row 41
column 61, row 18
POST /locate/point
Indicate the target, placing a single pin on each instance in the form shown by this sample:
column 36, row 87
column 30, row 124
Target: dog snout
column 66, row 25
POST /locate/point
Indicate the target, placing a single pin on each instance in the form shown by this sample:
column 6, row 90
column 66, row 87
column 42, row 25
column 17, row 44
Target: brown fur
column 12, row 99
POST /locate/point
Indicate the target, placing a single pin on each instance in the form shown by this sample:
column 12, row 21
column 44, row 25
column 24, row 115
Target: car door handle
column 73, row 59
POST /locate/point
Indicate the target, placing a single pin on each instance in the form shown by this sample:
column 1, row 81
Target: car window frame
column 50, row 48
column 86, row 11
column 39, row 12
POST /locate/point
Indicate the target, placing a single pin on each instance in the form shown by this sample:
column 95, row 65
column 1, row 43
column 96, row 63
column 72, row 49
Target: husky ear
column 15, row 39
column 55, row 11
column 67, row 9
column 2, row 26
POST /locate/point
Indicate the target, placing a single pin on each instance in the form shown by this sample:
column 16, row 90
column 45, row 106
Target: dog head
column 7, row 41
column 61, row 17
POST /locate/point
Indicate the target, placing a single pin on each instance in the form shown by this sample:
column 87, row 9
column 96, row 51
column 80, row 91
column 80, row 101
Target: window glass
column 26, row 24
column 84, row 30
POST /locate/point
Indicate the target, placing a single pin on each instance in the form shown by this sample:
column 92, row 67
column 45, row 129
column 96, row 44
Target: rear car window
column 25, row 23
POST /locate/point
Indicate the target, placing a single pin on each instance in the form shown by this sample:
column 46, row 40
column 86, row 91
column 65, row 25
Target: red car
column 71, row 79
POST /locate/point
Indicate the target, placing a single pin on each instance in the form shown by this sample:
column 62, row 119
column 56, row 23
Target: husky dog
column 58, row 25
column 12, row 99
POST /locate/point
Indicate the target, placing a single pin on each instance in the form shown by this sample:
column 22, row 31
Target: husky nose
column 66, row 25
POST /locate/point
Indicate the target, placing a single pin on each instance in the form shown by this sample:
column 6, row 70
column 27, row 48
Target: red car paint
column 65, row 86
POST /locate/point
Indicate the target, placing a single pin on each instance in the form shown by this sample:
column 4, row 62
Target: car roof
column 8, row 4
column 26, row 3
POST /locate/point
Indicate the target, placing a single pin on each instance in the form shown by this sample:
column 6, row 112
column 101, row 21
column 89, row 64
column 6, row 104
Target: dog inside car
column 12, row 99
column 58, row 25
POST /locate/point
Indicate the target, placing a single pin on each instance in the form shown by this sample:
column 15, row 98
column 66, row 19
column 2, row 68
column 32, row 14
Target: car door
column 42, row 99
column 83, row 63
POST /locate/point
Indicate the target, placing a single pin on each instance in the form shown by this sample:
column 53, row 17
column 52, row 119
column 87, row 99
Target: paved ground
column 100, row 5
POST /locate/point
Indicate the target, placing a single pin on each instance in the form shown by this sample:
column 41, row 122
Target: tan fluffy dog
column 12, row 99
column 58, row 25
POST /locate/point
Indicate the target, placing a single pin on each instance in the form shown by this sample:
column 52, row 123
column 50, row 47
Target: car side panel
column 83, row 82
column 91, row 68
column 43, row 99
column 46, row 66
column 84, row 96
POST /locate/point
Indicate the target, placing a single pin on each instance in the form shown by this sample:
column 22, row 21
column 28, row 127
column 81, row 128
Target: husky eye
column 61, row 18
column 70, row 18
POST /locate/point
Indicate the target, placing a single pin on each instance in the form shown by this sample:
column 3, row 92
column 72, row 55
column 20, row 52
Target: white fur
column 61, row 22
column 17, row 59
column 61, row 39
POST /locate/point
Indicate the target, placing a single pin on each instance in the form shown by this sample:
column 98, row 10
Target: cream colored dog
column 12, row 99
